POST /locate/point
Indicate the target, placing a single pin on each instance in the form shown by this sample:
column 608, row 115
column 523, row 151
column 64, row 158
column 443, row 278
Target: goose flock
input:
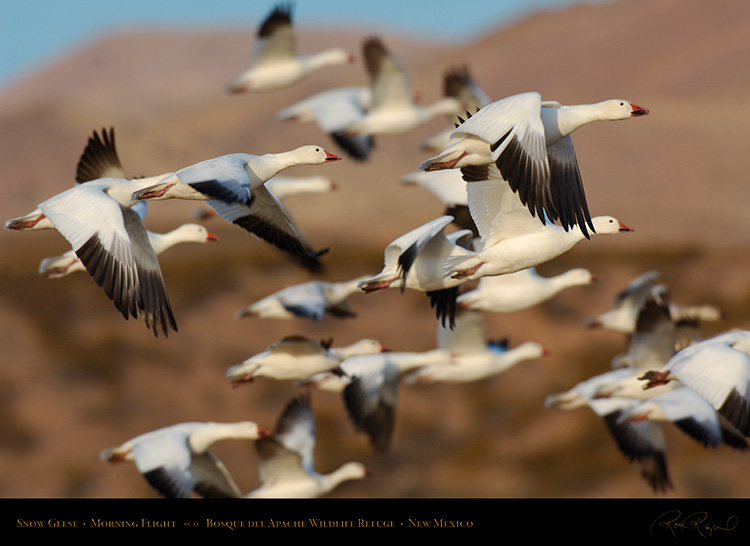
column 511, row 198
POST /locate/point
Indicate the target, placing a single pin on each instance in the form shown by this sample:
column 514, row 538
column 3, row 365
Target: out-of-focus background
column 76, row 378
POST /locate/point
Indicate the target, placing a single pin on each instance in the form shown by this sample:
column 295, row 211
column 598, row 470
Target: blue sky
column 36, row 32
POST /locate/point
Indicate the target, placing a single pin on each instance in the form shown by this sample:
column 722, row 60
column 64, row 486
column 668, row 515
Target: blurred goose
column 275, row 62
column 392, row 110
column 284, row 187
column 529, row 142
column 311, row 300
column 520, row 290
column 60, row 266
column 718, row 369
column 296, row 357
column 642, row 442
column 472, row 357
column 692, row 414
column 334, row 110
column 629, row 301
column 176, row 461
column 287, row 468
column 415, row 261
column 369, row 386
column 458, row 83
column 234, row 186
column 510, row 238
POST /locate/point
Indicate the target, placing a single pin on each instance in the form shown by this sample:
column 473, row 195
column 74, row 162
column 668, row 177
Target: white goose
column 529, row 142
column 176, row 461
column 416, row 260
column 275, row 62
column 284, row 187
column 629, row 301
column 457, row 83
column 311, row 300
column 60, row 266
column 393, row 110
column 334, row 110
column 642, row 442
column 287, row 468
column 692, row 414
column 107, row 234
column 234, row 186
column 718, row 369
column 472, row 357
column 369, row 385
column 511, row 239
column 520, row 290
column 296, row 357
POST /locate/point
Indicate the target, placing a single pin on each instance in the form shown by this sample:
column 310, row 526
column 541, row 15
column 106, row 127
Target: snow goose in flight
column 60, row 266
column 415, row 261
column 311, row 300
column 275, row 61
column 520, row 290
column 334, row 110
column 511, row 239
column 286, row 467
column 393, row 110
column 98, row 160
column 369, row 385
column 109, row 238
column 296, row 357
column 629, row 301
column 529, row 142
column 642, row 442
column 176, row 460
column 472, row 357
column 718, row 369
column 459, row 84
column 234, row 186
column 692, row 414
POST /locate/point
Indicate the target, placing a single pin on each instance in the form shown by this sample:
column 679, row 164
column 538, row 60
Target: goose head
column 314, row 155
column 621, row 109
column 609, row 225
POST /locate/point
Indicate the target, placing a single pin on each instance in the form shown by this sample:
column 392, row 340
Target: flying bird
column 287, row 466
column 276, row 63
column 176, row 460
column 234, row 186
column 529, row 141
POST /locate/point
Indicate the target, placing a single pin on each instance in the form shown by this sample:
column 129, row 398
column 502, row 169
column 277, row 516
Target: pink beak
column 638, row 111
column 332, row 157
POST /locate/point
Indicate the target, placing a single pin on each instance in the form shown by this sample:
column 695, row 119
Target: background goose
column 520, row 290
column 311, row 300
column 718, row 369
column 334, row 110
column 176, row 461
column 275, row 61
column 286, row 467
column 459, row 84
column 296, row 357
column 529, row 142
column 393, row 110
column 472, row 356
column 60, row 266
